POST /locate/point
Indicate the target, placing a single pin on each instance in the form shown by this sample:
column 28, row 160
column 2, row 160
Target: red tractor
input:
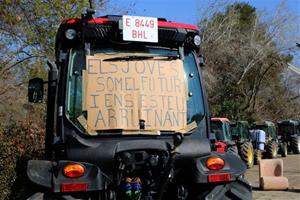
column 127, row 116
column 220, row 128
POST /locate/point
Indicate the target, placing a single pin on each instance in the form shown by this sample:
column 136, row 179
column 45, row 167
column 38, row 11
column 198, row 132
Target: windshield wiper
column 131, row 58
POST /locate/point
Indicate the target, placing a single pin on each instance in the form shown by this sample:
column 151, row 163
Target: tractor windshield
column 221, row 131
column 288, row 129
column 240, row 130
column 133, row 89
column 236, row 131
column 262, row 127
column 269, row 130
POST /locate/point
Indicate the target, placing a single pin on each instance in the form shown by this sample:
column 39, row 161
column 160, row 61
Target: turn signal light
column 74, row 170
column 215, row 163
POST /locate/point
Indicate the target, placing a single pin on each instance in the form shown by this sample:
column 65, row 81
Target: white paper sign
column 141, row 29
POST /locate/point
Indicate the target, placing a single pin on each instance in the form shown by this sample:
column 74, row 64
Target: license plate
column 140, row 29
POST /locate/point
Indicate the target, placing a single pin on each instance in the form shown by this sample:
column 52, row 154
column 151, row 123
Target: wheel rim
column 250, row 155
column 285, row 149
column 274, row 150
column 259, row 155
column 298, row 145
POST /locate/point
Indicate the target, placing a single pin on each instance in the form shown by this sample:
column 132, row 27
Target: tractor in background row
column 289, row 134
column 272, row 144
column 240, row 133
column 220, row 128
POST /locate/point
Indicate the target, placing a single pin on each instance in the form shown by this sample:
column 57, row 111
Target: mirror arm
column 52, row 82
column 51, row 65
column 181, row 52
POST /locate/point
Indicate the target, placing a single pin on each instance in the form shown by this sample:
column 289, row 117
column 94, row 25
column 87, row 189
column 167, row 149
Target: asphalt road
column 291, row 168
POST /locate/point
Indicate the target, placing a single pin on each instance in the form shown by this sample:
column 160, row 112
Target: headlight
column 197, row 40
column 70, row 34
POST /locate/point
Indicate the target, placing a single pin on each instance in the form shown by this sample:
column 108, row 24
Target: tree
column 245, row 61
column 27, row 32
column 27, row 35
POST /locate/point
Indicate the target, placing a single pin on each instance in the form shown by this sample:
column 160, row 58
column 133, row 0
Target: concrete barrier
column 271, row 175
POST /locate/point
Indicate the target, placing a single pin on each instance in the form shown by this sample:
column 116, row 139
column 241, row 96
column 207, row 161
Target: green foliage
column 27, row 39
column 27, row 36
column 245, row 13
column 19, row 142
column 27, row 32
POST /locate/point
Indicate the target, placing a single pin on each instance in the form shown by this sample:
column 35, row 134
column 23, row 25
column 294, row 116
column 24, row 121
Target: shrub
column 19, row 142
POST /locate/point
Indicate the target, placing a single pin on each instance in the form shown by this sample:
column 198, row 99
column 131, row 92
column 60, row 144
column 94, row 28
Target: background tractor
column 271, row 139
column 220, row 127
column 240, row 133
column 289, row 135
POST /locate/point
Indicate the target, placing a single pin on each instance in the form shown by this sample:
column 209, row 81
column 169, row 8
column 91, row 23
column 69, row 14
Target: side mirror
column 201, row 60
column 35, row 90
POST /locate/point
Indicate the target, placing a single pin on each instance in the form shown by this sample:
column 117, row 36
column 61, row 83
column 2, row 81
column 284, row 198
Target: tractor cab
column 272, row 144
column 269, row 128
column 241, row 135
column 221, row 128
column 289, row 133
column 240, row 131
column 287, row 128
column 121, row 77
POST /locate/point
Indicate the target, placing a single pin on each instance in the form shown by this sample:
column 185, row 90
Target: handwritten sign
column 119, row 94
column 141, row 29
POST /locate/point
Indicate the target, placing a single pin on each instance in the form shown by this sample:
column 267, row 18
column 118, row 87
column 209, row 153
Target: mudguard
column 198, row 172
column 49, row 174
column 39, row 172
column 234, row 166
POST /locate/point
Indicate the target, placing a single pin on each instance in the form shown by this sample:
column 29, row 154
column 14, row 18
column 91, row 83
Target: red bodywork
column 222, row 119
column 220, row 146
column 101, row 20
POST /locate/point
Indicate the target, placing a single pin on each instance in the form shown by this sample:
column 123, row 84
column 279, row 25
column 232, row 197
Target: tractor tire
column 247, row 154
column 234, row 150
column 238, row 190
column 283, row 149
column 52, row 196
column 271, row 150
column 257, row 156
column 295, row 144
column 44, row 196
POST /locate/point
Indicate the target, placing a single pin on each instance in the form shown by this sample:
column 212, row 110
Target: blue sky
column 187, row 11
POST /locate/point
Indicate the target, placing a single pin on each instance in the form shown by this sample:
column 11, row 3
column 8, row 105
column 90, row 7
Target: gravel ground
column 291, row 168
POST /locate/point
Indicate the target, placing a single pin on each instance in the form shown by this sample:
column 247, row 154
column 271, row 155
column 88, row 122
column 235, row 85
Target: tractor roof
column 289, row 122
column 241, row 122
column 238, row 123
column 221, row 119
column 109, row 19
column 264, row 123
column 109, row 30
